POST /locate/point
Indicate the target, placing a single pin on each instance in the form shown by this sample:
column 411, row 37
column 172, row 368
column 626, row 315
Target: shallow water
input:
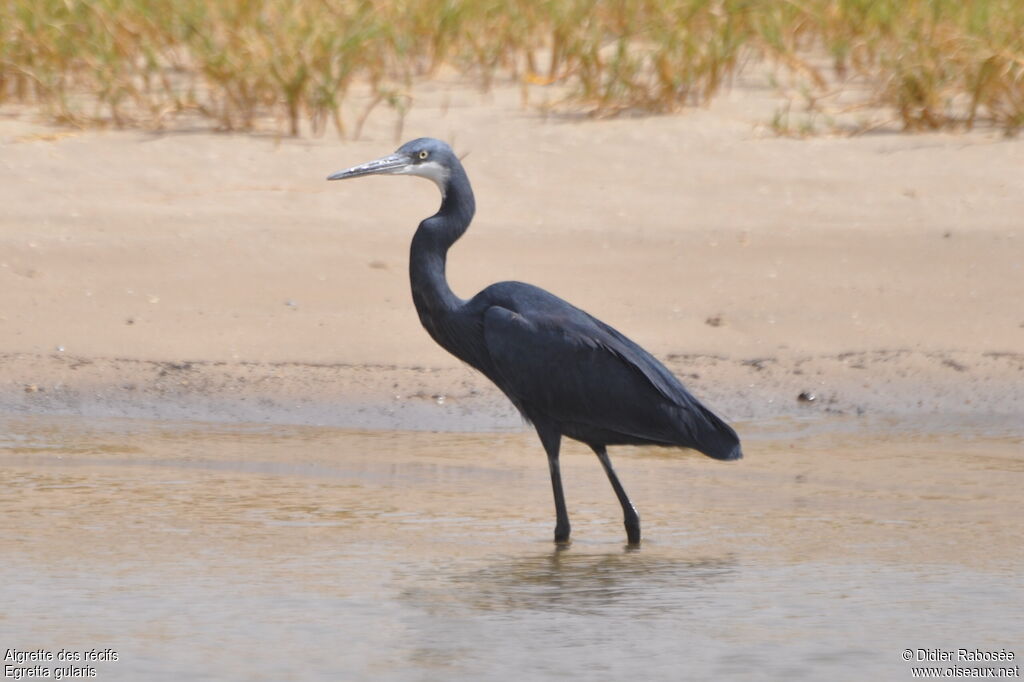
column 266, row 553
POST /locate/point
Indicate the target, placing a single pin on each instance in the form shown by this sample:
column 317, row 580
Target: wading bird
column 568, row 373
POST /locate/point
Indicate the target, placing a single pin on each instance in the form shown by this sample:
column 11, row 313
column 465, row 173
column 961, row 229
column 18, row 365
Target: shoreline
column 880, row 389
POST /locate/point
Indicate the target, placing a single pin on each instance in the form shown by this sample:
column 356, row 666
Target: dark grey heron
column 568, row 373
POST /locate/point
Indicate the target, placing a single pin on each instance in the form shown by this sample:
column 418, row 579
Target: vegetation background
column 297, row 64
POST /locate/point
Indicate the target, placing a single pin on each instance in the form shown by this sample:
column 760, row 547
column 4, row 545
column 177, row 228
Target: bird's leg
column 631, row 518
column 551, row 439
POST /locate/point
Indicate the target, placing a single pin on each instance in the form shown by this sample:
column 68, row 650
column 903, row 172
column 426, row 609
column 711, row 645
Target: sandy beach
column 881, row 273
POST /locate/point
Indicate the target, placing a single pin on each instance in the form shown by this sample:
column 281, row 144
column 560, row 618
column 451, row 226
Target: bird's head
column 425, row 157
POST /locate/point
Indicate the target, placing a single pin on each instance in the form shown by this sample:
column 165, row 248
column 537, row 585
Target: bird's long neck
column 435, row 235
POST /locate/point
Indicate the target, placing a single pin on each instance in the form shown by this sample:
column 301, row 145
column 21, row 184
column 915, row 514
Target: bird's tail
column 710, row 435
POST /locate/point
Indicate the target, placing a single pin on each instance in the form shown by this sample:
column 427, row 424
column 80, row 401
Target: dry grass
column 935, row 64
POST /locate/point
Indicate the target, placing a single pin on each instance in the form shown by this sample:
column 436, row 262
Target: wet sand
column 205, row 552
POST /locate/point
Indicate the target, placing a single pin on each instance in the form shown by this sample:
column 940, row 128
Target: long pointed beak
column 394, row 163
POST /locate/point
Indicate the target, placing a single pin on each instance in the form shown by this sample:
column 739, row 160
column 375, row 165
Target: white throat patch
column 431, row 170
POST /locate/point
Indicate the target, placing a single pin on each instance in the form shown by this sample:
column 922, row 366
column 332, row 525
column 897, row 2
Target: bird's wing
column 569, row 366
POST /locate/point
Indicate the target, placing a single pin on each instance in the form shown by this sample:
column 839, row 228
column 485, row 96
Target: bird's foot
column 633, row 532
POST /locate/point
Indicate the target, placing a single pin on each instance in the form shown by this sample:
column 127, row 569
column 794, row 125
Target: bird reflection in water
column 584, row 584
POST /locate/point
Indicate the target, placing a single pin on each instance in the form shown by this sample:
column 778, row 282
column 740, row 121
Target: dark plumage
column 567, row 372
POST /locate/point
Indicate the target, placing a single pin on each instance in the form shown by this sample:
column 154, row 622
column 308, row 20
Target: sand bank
column 192, row 274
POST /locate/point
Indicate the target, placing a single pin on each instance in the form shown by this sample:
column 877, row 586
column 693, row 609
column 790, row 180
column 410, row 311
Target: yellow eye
column 424, row 154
